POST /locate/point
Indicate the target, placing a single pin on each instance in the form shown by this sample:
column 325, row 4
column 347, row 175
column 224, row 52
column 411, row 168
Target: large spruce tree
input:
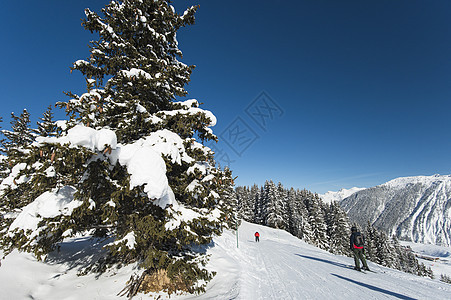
column 96, row 160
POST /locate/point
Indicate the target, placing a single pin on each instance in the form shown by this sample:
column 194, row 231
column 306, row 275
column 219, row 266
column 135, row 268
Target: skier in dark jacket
column 356, row 242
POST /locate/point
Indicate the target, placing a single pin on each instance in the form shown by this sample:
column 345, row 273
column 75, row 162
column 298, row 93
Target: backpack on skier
column 358, row 240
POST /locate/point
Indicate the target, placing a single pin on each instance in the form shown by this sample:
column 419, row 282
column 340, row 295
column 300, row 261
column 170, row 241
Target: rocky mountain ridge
column 415, row 209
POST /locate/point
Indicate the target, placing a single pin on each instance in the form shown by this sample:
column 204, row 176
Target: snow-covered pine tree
column 281, row 207
column 290, row 208
column 272, row 208
column 13, row 190
column 243, row 201
column 370, row 238
column 406, row 261
column 337, row 229
column 47, row 126
column 240, row 192
column 3, row 157
column 19, row 137
column 229, row 204
column 127, row 165
column 302, row 228
column 249, row 210
column 317, row 222
column 383, row 252
column 445, row 278
column 260, row 207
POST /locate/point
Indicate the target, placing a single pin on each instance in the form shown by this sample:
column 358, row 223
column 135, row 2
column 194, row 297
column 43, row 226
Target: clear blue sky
column 356, row 93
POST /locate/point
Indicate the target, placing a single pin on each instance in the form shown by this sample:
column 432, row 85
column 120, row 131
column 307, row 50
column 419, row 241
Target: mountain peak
column 416, row 208
column 426, row 180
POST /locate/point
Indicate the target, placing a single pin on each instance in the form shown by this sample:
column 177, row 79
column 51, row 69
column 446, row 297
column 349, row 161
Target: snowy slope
column 279, row 267
column 331, row 196
column 416, row 209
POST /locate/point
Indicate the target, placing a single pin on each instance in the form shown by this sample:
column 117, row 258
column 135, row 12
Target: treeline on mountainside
column 133, row 77
column 304, row 215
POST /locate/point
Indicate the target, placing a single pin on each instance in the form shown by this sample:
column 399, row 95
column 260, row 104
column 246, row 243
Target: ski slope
column 280, row 266
column 283, row 267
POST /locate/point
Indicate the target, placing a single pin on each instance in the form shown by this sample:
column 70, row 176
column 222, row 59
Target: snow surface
column 279, row 267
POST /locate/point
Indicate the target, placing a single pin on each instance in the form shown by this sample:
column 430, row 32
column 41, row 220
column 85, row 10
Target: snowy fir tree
column 301, row 225
column 3, row 157
column 274, row 199
column 16, row 146
column 19, row 137
column 229, row 204
column 445, row 278
column 127, row 165
column 317, row 221
column 337, row 227
column 47, row 126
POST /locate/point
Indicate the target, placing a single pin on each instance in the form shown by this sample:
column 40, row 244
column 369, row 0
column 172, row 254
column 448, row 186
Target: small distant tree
column 47, row 126
column 3, row 157
column 445, row 278
column 19, row 137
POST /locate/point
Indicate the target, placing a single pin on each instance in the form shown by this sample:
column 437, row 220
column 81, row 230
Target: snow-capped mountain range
column 340, row 195
column 415, row 209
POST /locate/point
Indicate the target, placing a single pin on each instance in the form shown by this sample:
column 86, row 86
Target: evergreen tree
column 260, row 207
column 15, row 189
column 445, row 278
column 317, row 222
column 3, row 158
column 370, row 238
column 229, row 204
column 137, row 55
column 247, row 198
column 254, row 195
column 19, row 137
column 383, row 251
column 47, row 127
column 302, row 227
column 276, row 198
column 337, row 229
column 137, row 48
column 270, row 197
column 290, row 208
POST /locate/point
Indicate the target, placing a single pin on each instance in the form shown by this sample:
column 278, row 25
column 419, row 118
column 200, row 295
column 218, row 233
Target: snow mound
column 48, row 205
column 87, row 137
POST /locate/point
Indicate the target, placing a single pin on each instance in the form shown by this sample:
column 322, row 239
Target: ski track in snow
column 280, row 266
column 284, row 267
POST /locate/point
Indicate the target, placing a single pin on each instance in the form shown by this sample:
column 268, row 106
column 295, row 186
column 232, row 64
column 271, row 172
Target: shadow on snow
column 368, row 286
column 375, row 288
column 325, row 261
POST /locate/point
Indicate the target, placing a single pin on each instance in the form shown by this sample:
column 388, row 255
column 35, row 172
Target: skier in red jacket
column 257, row 236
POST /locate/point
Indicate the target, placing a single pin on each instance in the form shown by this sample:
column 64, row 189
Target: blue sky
column 320, row 95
